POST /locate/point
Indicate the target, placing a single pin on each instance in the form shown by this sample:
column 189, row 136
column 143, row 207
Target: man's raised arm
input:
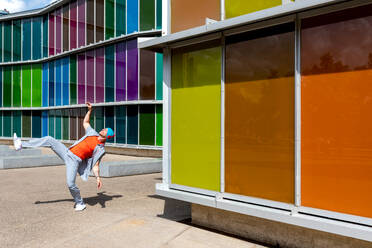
column 86, row 122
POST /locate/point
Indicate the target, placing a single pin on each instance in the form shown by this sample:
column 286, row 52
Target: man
column 83, row 156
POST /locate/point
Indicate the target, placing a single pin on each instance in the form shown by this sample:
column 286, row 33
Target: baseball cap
column 110, row 133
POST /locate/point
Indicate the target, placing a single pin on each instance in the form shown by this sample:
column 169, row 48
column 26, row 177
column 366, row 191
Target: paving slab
column 37, row 211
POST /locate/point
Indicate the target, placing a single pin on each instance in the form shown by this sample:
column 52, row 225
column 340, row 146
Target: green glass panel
column 120, row 17
column 51, row 123
column 58, row 124
column 147, row 125
column 17, row 123
column 36, row 85
column 109, row 119
column 7, row 86
column 36, row 37
column 109, row 73
column 45, row 36
column 65, row 124
column 73, row 79
column 26, row 123
column 7, row 123
column 147, row 15
column 159, row 76
column 1, row 42
column 110, row 16
column 16, row 40
column 235, row 8
column 1, row 85
column 99, row 119
column 158, row 14
column 7, row 41
column 196, row 116
column 26, row 85
column 36, row 124
column 16, row 85
column 159, row 125
column 1, row 123
column 120, row 113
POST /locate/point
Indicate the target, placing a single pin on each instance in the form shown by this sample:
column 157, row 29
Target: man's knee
column 71, row 185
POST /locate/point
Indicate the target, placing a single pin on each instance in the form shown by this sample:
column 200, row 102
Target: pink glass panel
column 100, row 75
column 90, row 76
column 58, row 30
column 51, row 34
column 81, row 23
column 73, row 24
column 81, row 78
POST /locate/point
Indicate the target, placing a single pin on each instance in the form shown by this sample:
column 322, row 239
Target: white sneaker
column 17, row 142
column 80, row 207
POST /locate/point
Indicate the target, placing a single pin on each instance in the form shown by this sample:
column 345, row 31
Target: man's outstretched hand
column 89, row 106
column 99, row 183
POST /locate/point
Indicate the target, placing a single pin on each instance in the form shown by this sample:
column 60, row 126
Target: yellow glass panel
column 237, row 7
column 195, row 117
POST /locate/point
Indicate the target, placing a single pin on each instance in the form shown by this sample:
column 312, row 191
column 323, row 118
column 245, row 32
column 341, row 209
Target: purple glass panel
column 100, row 75
column 132, row 70
column 73, row 24
column 51, row 34
column 81, row 78
column 58, row 30
column 81, row 23
column 120, row 72
column 90, row 76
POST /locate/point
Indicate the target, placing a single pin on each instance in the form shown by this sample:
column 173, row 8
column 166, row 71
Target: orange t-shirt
column 86, row 147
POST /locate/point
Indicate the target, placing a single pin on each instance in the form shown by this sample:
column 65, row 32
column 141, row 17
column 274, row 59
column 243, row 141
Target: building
column 55, row 59
column 267, row 117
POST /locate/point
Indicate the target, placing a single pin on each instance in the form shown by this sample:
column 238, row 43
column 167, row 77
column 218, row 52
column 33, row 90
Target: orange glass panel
column 259, row 114
column 336, row 114
column 192, row 13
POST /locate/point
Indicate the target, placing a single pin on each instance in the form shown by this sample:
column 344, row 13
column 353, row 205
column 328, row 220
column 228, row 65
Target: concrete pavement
column 36, row 210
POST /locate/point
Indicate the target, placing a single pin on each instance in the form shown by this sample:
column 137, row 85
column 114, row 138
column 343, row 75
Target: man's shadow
column 101, row 198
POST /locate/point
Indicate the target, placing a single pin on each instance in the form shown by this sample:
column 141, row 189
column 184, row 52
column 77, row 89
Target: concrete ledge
column 23, row 152
column 270, row 232
column 131, row 167
column 29, row 161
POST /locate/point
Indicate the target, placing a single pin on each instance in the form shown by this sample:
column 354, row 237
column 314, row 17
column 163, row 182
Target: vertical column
column 1, row 87
column 90, row 76
column 120, row 17
column 100, row 75
column 73, row 79
column 90, row 21
column 44, row 123
column 45, row 36
column 132, row 125
column 159, row 76
column 7, row 41
column 16, row 40
column 132, row 70
column 147, row 15
column 159, row 125
column 109, row 19
column 7, row 121
column 66, row 27
column 58, row 125
column 26, row 39
column 36, row 85
column 45, row 85
column 100, row 20
column 132, row 16
column 58, row 80
column 26, row 123
column 17, row 122
column 110, row 72
column 1, row 44
column 65, row 80
column 73, row 25
column 36, row 37
column 16, row 81
column 65, row 124
column 51, row 119
column 147, row 75
column 51, row 84
column 51, row 33
column 26, row 85
column 120, row 71
column 73, row 120
column 158, row 14
column 147, row 124
column 81, row 23
column 7, row 99
column 81, row 78
column 58, row 14
column 109, row 119
column 36, row 124
column 120, row 114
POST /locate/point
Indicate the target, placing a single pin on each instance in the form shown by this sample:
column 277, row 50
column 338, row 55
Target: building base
column 269, row 232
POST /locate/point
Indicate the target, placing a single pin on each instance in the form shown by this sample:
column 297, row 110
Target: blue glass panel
column 51, row 83
column 45, row 84
column 36, row 37
column 58, row 80
column 132, row 16
column 44, row 123
column 36, row 124
column 65, row 80
column 26, row 35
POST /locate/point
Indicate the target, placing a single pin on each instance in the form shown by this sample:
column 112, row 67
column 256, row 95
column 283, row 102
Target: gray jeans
column 71, row 160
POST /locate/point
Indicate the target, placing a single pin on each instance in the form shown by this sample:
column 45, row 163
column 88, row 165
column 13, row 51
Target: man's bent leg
column 71, row 170
column 48, row 141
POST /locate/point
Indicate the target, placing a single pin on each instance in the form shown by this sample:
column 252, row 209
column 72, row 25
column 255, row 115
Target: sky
column 22, row 5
